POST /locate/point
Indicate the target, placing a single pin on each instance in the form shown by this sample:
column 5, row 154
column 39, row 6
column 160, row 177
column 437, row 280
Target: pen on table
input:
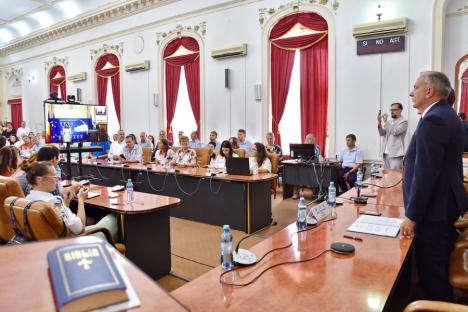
column 352, row 237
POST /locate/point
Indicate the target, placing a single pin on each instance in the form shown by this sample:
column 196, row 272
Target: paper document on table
column 383, row 226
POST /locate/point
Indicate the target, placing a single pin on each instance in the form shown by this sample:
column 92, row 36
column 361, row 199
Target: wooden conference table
column 243, row 202
column 26, row 286
column 145, row 226
column 360, row 282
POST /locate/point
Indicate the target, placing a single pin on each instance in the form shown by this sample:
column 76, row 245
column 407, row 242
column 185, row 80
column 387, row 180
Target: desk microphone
column 359, row 199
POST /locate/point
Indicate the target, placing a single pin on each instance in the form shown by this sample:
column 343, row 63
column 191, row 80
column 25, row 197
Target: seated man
column 144, row 141
column 351, row 159
column 194, row 141
column 310, row 139
column 243, row 142
column 214, row 138
column 102, row 154
column 271, row 147
column 132, row 152
column 117, row 146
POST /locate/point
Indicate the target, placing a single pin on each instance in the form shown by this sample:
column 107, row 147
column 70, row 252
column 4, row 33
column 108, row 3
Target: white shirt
column 427, row 109
column 22, row 131
column 116, row 148
column 265, row 165
column 71, row 220
column 220, row 161
column 170, row 154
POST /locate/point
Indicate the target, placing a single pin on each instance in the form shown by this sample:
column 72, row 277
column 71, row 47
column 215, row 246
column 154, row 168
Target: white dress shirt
column 116, row 148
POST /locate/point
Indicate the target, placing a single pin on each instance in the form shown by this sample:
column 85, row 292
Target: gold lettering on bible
column 81, row 254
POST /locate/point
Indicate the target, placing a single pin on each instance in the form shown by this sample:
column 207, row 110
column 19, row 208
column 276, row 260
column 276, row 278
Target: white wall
column 364, row 84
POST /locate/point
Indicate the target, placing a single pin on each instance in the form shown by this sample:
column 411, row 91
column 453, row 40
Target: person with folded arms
column 259, row 156
column 43, row 180
column 132, row 152
column 185, row 156
column 164, row 154
column 224, row 153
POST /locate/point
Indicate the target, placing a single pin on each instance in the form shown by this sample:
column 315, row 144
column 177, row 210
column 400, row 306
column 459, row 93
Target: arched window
column 463, row 106
column 304, row 35
column 182, row 54
column 58, row 81
column 108, row 88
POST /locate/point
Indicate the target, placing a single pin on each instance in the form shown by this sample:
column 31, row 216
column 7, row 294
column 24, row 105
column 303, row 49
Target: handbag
column 20, row 237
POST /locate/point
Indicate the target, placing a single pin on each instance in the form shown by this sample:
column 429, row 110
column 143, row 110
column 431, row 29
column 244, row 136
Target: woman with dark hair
column 259, row 158
column 163, row 154
column 234, row 142
column 13, row 140
column 224, row 152
column 8, row 161
column 43, row 180
column 9, row 130
column 151, row 138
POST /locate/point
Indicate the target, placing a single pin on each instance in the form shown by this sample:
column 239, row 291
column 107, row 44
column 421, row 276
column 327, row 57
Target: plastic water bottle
column 301, row 215
column 331, row 199
column 226, row 248
column 359, row 177
column 129, row 190
column 373, row 170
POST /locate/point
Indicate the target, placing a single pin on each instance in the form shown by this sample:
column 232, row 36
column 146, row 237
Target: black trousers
column 433, row 244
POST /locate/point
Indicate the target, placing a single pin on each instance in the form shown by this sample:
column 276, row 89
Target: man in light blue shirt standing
column 351, row 160
column 243, row 142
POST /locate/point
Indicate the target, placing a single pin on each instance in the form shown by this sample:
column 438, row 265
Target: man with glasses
column 117, row 146
column 394, row 132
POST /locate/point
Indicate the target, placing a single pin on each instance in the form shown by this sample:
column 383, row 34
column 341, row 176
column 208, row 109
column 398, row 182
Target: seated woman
column 163, row 154
column 42, row 177
column 225, row 152
column 13, row 140
column 212, row 147
column 185, row 156
column 8, row 161
column 26, row 148
column 234, row 142
column 259, row 157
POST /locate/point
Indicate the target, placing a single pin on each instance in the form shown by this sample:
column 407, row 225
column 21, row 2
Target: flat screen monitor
column 302, row 151
column 68, row 123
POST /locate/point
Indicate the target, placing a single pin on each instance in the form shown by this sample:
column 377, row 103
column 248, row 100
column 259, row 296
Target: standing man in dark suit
column 433, row 189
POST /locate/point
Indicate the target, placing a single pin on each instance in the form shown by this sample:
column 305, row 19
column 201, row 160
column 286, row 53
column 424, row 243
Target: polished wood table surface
column 189, row 171
column 391, row 193
column 144, row 225
column 243, row 202
column 332, row 282
column 26, row 286
column 143, row 202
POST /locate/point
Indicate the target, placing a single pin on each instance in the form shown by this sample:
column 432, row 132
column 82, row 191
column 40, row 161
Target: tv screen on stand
column 70, row 123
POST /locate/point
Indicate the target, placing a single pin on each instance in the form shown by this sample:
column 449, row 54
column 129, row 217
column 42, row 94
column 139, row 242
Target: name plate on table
column 321, row 211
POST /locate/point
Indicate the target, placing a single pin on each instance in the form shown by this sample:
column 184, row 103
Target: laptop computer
column 238, row 166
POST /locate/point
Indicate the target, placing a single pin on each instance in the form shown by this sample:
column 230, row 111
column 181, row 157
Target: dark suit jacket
column 433, row 171
column 465, row 126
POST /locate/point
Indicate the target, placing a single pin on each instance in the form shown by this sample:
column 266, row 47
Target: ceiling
column 20, row 18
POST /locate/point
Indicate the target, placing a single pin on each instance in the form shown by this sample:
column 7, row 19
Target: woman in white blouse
column 185, row 156
column 224, row 152
column 164, row 154
column 260, row 158
column 43, row 179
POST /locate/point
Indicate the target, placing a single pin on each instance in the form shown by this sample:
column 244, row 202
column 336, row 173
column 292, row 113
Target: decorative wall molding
column 115, row 48
column 266, row 13
column 179, row 29
column 56, row 61
column 82, row 23
column 13, row 72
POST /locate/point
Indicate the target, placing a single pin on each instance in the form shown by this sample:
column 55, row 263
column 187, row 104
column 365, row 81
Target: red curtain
column 314, row 92
column 58, row 82
column 191, row 62
column 16, row 112
column 314, row 72
column 464, row 93
column 282, row 62
column 103, row 74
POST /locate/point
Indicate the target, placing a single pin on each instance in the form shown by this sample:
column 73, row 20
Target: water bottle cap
column 301, row 198
column 332, row 183
column 226, row 227
column 129, row 180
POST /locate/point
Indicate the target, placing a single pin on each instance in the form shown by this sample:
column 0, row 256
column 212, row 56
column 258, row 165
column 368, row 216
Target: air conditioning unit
column 77, row 77
column 236, row 50
column 145, row 65
column 387, row 27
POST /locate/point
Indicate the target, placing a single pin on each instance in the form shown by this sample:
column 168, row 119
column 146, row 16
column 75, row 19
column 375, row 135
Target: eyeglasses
column 53, row 177
column 395, row 109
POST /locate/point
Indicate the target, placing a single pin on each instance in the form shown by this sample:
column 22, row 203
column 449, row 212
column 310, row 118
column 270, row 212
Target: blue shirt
column 105, row 147
column 247, row 146
column 317, row 150
column 195, row 144
column 351, row 157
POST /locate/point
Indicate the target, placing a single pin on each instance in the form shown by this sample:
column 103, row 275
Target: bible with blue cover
column 85, row 277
